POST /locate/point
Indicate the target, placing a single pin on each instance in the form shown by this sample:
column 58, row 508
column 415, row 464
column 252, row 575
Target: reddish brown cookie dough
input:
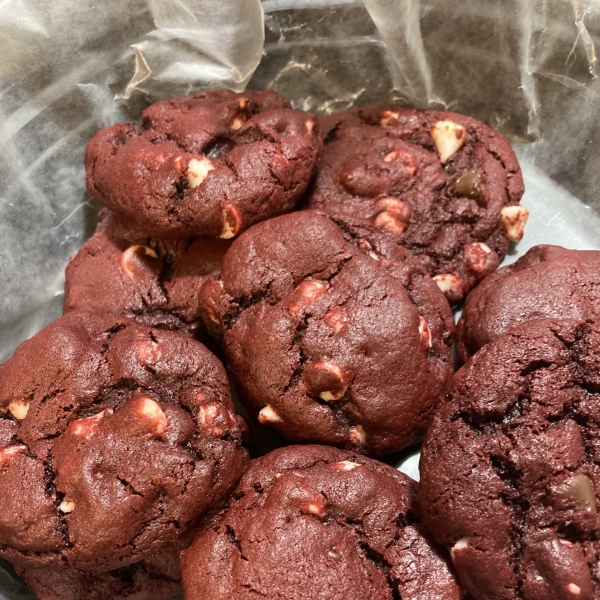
column 205, row 165
column 311, row 522
column 153, row 281
column 548, row 281
column 157, row 578
column 114, row 438
column 510, row 473
column 444, row 185
column 329, row 343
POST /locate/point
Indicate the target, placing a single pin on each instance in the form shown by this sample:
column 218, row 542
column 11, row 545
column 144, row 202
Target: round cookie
column 510, row 474
column 157, row 578
column 548, row 281
column 444, row 185
column 155, row 282
column 114, row 439
column 211, row 164
column 329, row 343
column 311, row 522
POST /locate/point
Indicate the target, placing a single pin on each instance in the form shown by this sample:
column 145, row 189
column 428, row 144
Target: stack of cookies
column 320, row 260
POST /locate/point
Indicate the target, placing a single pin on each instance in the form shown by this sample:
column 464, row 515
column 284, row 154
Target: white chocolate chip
column 448, row 137
column 148, row 352
column 336, row 319
column 232, row 222
column 150, row 410
column 358, row 435
column 269, row 415
column 315, row 509
column 369, row 249
column 209, row 416
column 346, row 465
column 212, row 315
column 208, row 413
column 67, row 506
column 450, row 285
column 460, row 545
column 388, row 116
column 512, row 222
column 87, row 427
column 389, row 222
column 408, row 159
column 237, row 123
column 335, row 555
column 445, row 281
column 480, row 259
column 242, row 102
column 306, row 293
column 394, row 215
column 574, row 589
column 7, row 454
column 19, row 408
column 129, row 259
column 310, row 124
column 178, row 162
column 567, row 543
column 311, row 289
column 391, row 204
column 326, row 380
column 425, row 332
column 198, row 169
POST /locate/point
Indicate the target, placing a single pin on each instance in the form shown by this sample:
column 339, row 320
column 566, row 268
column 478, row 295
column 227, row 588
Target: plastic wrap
column 67, row 69
column 527, row 68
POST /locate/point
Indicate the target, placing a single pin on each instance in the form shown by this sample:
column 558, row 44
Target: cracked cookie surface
column 546, row 282
column 155, row 282
column 311, row 522
column 114, row 438
column 444, row 185
column 510, row 471
column 211, row 164
column 329, row 343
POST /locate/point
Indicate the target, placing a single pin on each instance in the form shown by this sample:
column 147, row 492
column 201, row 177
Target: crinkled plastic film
column 67, row 69
column 528, row 68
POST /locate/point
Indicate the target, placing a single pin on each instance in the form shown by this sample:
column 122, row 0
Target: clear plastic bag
column 528, row 69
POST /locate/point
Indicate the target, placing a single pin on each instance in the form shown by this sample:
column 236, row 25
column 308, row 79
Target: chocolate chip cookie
column 114, row 438
column 211, row 164
column 510, row 473
column 311, row 522
column 154, row 282
column 328, row 341
column 548, row 281
column 444, row 185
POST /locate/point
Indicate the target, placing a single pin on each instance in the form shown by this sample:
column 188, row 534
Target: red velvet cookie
column 310, row 522
column 205, row 165
column 330, row 343
column 444, row 185
column 548, row 281
column 156, row 578
column 510, row 467
column 114, row 438
column 155, row 282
